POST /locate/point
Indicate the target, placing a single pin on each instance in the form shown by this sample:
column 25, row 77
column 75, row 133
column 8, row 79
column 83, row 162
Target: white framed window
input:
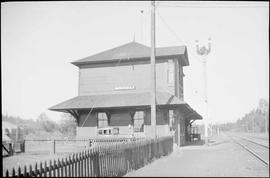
column 102, row 120
column 138, row 121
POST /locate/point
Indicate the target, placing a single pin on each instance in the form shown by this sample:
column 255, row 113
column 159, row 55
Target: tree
column 68, row 125
column 46, row 124
column 263, row 105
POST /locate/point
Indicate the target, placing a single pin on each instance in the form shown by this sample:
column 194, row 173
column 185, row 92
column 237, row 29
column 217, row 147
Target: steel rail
column 260, row 138
column 251, row 151
column 245, row 138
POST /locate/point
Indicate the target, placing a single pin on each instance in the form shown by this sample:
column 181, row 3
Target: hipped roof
column 110, row 101
column 135, row 51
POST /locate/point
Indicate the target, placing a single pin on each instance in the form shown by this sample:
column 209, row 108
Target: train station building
column 114, row 91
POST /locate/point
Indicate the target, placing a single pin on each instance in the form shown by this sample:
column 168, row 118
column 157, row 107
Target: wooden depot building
column 114, row 91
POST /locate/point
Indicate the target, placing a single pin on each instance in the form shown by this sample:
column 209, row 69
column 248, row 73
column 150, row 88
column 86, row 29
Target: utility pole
column 203, row 52
column 141, row 25
column 153, row 71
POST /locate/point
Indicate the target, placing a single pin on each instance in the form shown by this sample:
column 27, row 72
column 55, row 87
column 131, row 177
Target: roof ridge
column 172, row 46
column 132, row 93
column 111, row 49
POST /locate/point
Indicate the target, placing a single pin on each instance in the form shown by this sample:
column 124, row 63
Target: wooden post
column 53, row 146
column 13, row 172
column 19, row 172
column 25, row 171
column 22, row 145
column 7, row 175
column 50, row 168
column 10, row 149
column 30, row 171
column 153, row 71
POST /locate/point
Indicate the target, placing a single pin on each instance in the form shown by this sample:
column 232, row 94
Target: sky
column 40, row 39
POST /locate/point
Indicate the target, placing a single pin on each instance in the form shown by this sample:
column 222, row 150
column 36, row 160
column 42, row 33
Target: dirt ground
column 221, row 158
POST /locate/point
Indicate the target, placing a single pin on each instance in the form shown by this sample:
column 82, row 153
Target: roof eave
column 113, row 107
column 183, row 56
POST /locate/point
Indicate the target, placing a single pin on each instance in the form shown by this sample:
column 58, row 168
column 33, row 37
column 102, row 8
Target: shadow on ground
column 195, row 143
column 202, row 142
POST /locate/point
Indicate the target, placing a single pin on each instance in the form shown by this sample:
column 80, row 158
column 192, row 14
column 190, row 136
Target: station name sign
column 125, row 88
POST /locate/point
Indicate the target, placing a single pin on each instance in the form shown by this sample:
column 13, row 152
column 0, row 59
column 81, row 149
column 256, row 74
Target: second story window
column 139, row 121
column 170, row 72
column 102, row 120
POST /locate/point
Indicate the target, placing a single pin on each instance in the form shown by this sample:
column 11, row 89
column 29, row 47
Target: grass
column 37, row 152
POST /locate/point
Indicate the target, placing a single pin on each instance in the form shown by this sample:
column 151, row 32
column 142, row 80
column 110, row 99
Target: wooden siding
column 120, row 118
column 86, row 132
column 90, row 122
column 160, row 118
column 103, row 80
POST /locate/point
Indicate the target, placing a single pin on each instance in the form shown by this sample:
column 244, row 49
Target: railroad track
column 250, row 139
column 260, row 151
column 260, row 138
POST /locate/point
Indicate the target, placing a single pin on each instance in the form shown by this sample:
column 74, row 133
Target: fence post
column 66, row 167
column 7, row 173
column 45, row 167
column 62, row 167
column 58, row 167
column 73, row 165
column 54, row 168
column 81, row 165
column 19, row 171
column 23, row 146
column 30, row 171
column 69, row 166
column 85, row 163
column 50, row 168
column 25, row 171
column 36, row 169
column 10, row 149
column 13, row 172
column 53, row 146
column 96, row 163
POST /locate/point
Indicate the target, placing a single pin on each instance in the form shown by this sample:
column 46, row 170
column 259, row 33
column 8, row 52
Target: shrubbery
column 45, row 128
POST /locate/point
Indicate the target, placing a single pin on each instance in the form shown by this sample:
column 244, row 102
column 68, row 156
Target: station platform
column 221, row 158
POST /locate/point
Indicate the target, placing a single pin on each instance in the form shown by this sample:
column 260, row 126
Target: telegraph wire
column 213, row 5
column 185, row 6
column 171, row 30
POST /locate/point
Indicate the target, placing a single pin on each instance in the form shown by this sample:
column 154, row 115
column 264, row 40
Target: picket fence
column 53, row 146
column 108, row 160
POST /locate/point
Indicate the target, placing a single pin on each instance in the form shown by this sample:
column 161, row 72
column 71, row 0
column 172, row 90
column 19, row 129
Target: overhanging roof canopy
column 135, row 51
column 110, row 101
column 116, row 101
column 190, row 113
